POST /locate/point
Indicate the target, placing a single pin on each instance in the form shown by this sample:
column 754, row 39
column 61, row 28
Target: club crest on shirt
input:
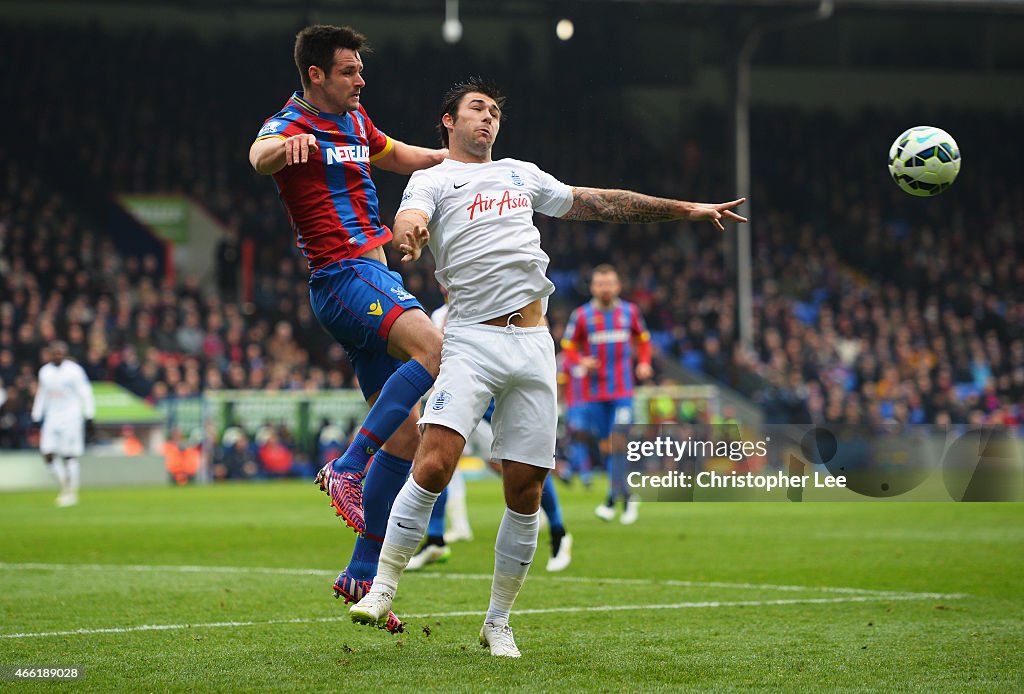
column 439, row 399
column 516, row 178
column 271, row 127
column 401, row 294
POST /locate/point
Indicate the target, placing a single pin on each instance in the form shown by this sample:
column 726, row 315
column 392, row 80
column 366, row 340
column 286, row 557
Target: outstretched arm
column 404, row 159
column 625, row 206
column 269, row 155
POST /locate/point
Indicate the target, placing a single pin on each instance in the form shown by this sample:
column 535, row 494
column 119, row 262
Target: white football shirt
column 64, row 394
column 482, row 235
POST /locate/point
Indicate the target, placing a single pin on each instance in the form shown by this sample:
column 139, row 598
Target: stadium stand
column 870, row 307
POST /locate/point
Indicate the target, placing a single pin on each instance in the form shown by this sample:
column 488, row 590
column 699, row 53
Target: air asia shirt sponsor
column 506, row 202
column 482, row 235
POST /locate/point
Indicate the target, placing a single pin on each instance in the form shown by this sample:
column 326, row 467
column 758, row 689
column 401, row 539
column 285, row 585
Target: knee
column 427, row 350
column 432, row 471
column 525, row 498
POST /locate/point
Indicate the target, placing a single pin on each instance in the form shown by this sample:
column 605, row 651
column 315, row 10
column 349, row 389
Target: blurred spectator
column 235, row 459
column 868, row 306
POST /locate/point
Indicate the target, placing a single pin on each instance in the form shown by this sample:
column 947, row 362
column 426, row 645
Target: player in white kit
column 63, row 404
column 477, row 216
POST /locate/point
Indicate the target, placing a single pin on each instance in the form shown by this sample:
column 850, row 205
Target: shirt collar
column 300, row 101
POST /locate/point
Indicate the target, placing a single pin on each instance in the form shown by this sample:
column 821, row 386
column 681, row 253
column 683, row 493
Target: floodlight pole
column 741, row 115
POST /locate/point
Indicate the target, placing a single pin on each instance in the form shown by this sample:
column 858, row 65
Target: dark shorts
column 608, row 415
column 580, row 419
column 357, row 301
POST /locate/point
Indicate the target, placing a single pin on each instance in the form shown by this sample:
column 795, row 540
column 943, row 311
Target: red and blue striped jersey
column 614, row 336
column 571, row 376
column 331, row 200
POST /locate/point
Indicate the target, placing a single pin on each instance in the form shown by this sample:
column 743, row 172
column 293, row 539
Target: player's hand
column 589, row 363
column 297, row 148
column 644, row 371
column 414, row 242
column 716, row 213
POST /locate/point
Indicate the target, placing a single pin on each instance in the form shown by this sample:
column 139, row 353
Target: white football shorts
column 63, row 438
column 515, row 366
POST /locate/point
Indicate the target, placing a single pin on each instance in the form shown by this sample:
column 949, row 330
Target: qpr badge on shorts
column 439, row 400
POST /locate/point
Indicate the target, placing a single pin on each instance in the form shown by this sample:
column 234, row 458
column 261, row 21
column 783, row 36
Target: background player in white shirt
column 63, row 404
column 477, row 216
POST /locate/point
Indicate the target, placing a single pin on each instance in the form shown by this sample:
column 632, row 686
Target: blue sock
column 617, row 474
column 435, row 527
column 579, row 459
column 402, row 390
column 549, row 502
column 384, row 480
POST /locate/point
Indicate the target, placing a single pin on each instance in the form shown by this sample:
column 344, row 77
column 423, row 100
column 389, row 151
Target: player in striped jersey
column 319, row 149
column 579, row 432
column 603, row 336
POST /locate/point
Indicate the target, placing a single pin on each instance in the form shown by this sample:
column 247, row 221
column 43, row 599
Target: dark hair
column 317, row 44
column 604, row 269
column 452, row 99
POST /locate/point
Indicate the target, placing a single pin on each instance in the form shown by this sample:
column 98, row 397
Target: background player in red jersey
column 603, row 336
column 319, row 148
column 579, row 430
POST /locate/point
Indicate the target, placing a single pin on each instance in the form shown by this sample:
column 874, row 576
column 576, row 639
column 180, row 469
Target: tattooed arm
column 625, row 206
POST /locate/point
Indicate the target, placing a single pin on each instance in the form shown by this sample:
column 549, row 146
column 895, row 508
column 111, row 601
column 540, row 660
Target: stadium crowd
column 871, row 307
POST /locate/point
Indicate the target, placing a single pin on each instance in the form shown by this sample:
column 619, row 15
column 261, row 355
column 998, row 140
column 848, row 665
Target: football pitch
column 227, row 588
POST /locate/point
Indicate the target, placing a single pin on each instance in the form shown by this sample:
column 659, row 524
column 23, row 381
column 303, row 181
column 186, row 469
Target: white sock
column 73, row 474
column 458, row 514
column 513, row 554
column 456, row 486
column 407, row 525
column 59, row 473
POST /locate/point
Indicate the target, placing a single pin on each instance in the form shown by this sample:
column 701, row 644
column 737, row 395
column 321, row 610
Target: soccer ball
column 924, row 161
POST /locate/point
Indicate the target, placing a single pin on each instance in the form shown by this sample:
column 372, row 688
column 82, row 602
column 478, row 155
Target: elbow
column 257, row 165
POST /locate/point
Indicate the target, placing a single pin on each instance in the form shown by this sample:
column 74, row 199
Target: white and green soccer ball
column 924, row 161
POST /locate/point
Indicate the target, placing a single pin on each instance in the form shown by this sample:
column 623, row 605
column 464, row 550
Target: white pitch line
column 691, row 584
column 148, row 568
column 474, row 613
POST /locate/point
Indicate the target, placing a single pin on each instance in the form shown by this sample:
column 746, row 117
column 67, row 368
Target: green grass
column 695, row 560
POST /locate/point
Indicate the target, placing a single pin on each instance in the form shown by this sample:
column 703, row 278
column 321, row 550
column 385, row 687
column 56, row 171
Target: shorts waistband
column 509, row 329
